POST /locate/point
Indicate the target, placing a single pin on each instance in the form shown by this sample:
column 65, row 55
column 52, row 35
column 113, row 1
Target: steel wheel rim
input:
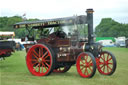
column 105, row 63
column 39, row 60
column 84, row 65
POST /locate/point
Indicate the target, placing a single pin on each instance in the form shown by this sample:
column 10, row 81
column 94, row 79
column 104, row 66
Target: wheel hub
column 87, row 65
column 106, row 63
column 40, row 60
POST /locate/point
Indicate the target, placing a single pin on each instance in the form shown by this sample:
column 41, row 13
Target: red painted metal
column 39, row 60
column 5, row 51
column 85, row 65
column 105, row 63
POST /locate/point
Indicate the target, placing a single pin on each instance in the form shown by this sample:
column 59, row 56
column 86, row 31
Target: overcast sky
column 45, row 9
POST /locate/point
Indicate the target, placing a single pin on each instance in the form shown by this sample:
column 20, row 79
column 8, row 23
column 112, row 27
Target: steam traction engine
column 57, row 51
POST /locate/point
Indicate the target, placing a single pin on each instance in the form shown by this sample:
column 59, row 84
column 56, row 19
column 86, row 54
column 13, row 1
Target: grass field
column 13, row 71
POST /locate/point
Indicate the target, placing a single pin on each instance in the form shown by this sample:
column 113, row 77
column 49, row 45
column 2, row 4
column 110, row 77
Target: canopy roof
column 52, row 22
column 7, row 34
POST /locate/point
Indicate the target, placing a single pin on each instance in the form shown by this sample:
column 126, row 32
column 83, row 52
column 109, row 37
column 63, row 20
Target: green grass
column 13, row 71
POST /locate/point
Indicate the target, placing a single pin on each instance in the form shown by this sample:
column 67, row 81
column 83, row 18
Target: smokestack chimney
column 90, row 25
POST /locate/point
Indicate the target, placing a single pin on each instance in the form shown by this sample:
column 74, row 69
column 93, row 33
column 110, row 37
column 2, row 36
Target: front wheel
column 106, row 63
column 86, row 65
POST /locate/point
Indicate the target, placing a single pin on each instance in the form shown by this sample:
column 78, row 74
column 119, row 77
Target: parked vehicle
column 6, row 47
column 55, row 51
column 126, row 43
column 107, row 43
column 120, row 41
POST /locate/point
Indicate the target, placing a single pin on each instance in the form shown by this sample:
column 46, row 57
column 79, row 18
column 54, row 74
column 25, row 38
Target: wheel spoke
column 82, row 68
column 86, row 59
column 90, row 61
column 39, row 68
column 101, row 66
column 35, row 53
column 34, row 63
column 42, row 69
column 109, row 67
column 85, row 71
column 33, row 60
column 81, row 65
column 101, row 63
column 47, row 60
column 104, row 69
column 36, row 67
column 109, row 59
column 82, row 61
column 102, row 58
column 90, row 68
column 44, row 66
column 110, row 63
column 45, row 55
column 39, row 53
column 91, row 64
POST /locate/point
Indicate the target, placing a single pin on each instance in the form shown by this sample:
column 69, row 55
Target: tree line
column 6, row 24
column 107, row 27
column 111, row 28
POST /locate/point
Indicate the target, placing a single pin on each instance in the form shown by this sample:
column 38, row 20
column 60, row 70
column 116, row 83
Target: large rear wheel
column 86, row 65
column 106, row 63
column 40, row 60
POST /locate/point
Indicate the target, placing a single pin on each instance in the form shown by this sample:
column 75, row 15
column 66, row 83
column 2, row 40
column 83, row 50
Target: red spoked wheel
column 86, row 65
column 62, row 69
column 106, row 63
column 40, row 60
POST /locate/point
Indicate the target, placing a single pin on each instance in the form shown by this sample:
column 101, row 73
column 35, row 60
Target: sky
column 46, row 9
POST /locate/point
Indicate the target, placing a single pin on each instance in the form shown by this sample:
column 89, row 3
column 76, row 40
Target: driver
column 58, row 34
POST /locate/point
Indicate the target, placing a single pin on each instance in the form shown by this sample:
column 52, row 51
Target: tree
column 110, row 28
column 6, row 24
